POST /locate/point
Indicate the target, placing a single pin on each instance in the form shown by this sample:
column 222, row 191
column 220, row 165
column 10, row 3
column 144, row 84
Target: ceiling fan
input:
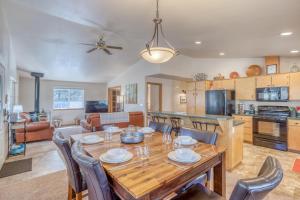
column 100, row 44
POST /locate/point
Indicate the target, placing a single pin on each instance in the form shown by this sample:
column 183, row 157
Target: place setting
column 91, row 139
column 184, row 156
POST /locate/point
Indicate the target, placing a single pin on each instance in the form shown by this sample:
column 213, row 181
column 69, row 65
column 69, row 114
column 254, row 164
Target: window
column 68, row 98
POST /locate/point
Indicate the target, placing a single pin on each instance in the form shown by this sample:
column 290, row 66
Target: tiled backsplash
column 259, row 103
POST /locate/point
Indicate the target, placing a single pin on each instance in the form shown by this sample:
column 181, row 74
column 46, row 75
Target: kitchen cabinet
column 295, row 86
column 245, row 88
column 281, row 80
column 228, row 84
column 294, row 135
column 195, row 96
column 248, row 127
column 276, row 80
column 263, row 81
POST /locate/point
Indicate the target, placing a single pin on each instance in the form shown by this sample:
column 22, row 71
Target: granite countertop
column 183, row 114
column 245, row 114
column 237, row 122
column 294, row 118
column 209, row 117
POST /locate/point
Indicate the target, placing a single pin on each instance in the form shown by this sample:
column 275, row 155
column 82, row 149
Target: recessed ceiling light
column 198, row 42
column 294, row 51
column 286, row 33
column 222, row 54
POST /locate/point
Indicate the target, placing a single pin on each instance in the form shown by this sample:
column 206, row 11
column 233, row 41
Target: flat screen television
column 96, row 106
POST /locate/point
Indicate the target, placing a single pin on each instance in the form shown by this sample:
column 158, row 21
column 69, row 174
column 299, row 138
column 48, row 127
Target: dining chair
column 96, row 179
column 268, row 178
column 76, row 180
column 205, row 137
column 176, row 124
column 161, row 127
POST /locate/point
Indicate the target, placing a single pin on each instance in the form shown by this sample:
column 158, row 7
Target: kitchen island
column 230, row 132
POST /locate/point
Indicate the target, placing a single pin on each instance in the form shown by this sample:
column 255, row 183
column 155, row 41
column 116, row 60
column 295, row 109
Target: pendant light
column 154, row 53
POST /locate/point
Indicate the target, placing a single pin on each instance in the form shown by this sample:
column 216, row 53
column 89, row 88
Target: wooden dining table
column 156, row 176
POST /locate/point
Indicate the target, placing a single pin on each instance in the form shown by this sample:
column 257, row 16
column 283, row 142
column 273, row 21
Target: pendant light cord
column 157, row 12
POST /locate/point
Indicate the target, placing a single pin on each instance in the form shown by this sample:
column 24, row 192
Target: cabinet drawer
column 292, row 122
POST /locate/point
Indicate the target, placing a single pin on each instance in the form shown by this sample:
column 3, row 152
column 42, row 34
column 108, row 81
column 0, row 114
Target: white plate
column 91, row 139
column 146, row 130
column 105, row 158
column 172, row 156
column 191, row 142
column 113, row 130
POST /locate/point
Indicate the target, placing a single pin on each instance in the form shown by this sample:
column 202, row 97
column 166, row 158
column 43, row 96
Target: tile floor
column 48, row 178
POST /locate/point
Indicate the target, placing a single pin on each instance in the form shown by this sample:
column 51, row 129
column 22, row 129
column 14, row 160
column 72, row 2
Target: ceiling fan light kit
column 157, row 54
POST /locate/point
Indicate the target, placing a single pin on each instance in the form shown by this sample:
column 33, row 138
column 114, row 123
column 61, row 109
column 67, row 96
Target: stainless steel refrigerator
column 220, row 102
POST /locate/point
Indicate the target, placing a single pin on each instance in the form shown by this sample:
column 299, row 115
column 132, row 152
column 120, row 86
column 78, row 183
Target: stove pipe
column 37, row 77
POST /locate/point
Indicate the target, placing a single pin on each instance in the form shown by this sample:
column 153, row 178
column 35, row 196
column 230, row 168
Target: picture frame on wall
column 182, row 99
column 271, row 69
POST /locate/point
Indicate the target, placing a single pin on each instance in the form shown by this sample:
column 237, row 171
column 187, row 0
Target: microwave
column 272, row 94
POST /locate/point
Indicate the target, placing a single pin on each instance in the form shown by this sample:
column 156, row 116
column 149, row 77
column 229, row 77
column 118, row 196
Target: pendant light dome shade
column 154, row 52
column 158, row 54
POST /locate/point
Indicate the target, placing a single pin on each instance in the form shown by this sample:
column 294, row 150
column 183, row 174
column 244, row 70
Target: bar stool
column 176, row 124
column 198, row 124
column 161, row 119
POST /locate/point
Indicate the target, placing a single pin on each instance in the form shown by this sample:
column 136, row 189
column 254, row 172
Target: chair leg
column 79, row 196
column 70, row 192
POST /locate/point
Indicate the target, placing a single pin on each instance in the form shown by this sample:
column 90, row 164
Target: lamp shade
column 158, row 54
column 17, row 108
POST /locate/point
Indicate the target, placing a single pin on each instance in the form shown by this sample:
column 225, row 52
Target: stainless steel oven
column 272, row 94
column 270, row 127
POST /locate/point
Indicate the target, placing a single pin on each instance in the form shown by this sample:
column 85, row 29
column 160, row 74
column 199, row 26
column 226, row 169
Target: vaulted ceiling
column 46, row 34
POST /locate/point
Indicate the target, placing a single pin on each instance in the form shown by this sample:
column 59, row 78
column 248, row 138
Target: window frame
column 68, row 88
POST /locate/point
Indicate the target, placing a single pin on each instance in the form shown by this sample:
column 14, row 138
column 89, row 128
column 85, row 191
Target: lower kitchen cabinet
column 248, row 127
column 294, row 135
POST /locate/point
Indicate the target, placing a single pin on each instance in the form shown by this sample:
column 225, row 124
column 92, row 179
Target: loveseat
column 93, row 122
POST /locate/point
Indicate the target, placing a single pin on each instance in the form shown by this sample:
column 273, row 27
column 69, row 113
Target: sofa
column 35, row 131
column 92, row 121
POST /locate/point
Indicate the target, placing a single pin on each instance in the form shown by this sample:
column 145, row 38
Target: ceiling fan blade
column 114, row 47
column 93, row 49
column 88, row 44
column 107, row 51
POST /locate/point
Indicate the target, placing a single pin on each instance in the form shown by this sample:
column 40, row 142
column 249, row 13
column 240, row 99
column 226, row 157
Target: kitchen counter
column 204, row 117
column 230, row 133
column 294, row 118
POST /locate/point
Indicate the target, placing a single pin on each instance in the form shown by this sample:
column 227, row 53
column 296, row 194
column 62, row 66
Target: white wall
column 7, row 59
column 92, row 91
column 171, row 92
column 186, row 67
column 136, row 74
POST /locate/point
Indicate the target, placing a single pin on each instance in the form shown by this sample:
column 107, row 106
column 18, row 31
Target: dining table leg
column 220, row 176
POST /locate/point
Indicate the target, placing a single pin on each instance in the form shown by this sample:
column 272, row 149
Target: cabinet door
column 294, row 138
column 201, row 85
column 295, row 86
column 263, row 81
column 245, row 88
column 217, row 85
column 200, row 102
column 280, row 80
column 228, row 84
column 190, row 101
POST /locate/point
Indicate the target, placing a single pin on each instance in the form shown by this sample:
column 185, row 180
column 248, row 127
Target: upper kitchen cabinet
column 245, row 88
column 191, row 86
column 295, row 86
column 203, row 85
column 223, row 84
column 280, row 80
column 276, row 80
column 263, row 81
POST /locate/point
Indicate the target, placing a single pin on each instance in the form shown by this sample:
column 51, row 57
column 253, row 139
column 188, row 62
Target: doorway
column 114, row 104
column 154, row 97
